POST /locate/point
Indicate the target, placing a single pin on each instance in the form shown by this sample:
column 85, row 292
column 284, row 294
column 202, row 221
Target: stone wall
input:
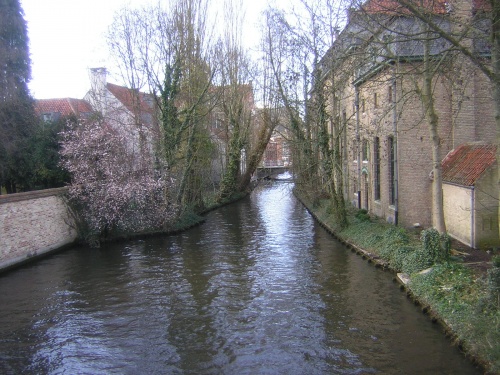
column 33, row 224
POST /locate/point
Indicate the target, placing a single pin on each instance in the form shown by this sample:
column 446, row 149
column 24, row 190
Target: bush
column 437, row 245
column 394, row 246
column 416, row 261
column 435, row 248
column 362, row 215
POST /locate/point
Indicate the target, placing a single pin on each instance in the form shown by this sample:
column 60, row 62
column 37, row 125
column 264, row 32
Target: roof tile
column 126, row 97
column 64, row 106
column 467, row 163
column 397, row 8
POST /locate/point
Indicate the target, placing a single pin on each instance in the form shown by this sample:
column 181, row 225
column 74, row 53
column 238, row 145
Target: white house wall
column 457, row 212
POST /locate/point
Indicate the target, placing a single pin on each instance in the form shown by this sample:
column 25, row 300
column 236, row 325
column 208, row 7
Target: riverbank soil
column 477, row 260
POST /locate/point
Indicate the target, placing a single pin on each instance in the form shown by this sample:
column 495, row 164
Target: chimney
column 98, row 88
column 98, row 79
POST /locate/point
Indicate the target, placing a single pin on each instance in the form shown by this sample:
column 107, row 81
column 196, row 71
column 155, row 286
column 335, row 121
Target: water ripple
column 258, row 289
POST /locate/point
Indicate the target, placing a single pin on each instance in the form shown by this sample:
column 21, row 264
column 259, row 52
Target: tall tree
column 449, row 41
column 16, row 106
column 295, row 41
column 167, row 50
column 475, row 25
column 236, row 95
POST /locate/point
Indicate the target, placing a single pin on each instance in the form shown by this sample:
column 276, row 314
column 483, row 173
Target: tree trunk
column 265, row 134
column 495, row 36
column 432, row 118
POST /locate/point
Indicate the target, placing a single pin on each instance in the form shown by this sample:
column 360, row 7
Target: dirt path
column 478, row 260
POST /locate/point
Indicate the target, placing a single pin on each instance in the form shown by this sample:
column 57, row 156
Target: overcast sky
column 67, row 38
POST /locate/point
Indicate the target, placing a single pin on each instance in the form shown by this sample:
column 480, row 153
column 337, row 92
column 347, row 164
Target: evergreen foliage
column 44, row 156
column 17, row 117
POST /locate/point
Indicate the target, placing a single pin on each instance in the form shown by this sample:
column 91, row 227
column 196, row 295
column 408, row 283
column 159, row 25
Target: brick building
column 372, row 78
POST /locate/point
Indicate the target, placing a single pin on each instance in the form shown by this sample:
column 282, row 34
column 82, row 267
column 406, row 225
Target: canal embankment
column 461, row 294
column 38, row 223
column 32, row 225
column 259, row 288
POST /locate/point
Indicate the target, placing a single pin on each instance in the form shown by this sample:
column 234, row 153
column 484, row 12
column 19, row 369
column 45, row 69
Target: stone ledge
column 18, row 197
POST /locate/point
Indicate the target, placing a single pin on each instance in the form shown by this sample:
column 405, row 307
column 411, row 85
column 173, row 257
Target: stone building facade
column 373, row 80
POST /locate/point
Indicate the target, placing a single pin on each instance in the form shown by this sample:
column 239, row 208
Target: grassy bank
column 467, row 303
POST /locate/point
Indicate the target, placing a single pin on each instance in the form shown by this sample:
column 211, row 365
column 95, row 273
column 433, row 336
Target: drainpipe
column 472, row 220
column 358, row 141
column 395, row 145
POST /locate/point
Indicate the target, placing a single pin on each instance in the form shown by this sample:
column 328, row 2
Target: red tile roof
column 465, row 164
column 128, row 96
column 65, row 106
column 395, row 7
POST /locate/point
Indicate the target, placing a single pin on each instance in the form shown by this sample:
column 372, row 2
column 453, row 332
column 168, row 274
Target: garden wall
column 33, row 224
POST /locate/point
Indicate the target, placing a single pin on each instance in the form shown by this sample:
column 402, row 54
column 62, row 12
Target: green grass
column 464, row 302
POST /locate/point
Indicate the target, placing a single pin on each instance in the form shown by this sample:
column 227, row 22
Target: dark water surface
column 259, row 289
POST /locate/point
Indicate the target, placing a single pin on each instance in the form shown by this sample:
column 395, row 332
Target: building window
column 47, row 117
column 366, row 205
column 364, row 150
column 392, row 169
column 375, row 100
column 363, row 105
column 376, row 168
column 389, row 94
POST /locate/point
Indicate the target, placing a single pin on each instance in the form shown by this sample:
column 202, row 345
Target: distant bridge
column 271, row 172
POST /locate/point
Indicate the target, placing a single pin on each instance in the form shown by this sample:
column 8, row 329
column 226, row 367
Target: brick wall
column 32, row 224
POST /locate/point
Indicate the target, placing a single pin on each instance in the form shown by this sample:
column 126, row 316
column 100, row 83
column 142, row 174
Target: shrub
column 416, row 261
column 435, row 248
column 394, row 246
column 437, row 245
column 362, row 215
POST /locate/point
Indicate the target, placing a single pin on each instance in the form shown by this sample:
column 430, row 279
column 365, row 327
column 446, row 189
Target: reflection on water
column 258, row 289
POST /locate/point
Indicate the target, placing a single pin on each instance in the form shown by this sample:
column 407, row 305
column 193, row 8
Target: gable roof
column 64, row 106
column 467, row 163
column 394, row 7
column 128, row 97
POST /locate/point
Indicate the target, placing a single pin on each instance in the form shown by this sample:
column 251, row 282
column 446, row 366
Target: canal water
column 260, row 288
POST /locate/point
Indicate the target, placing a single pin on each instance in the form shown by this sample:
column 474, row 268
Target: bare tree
column 295, row 44
column 475, row 36
column 235, row 96
column 167, row 50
